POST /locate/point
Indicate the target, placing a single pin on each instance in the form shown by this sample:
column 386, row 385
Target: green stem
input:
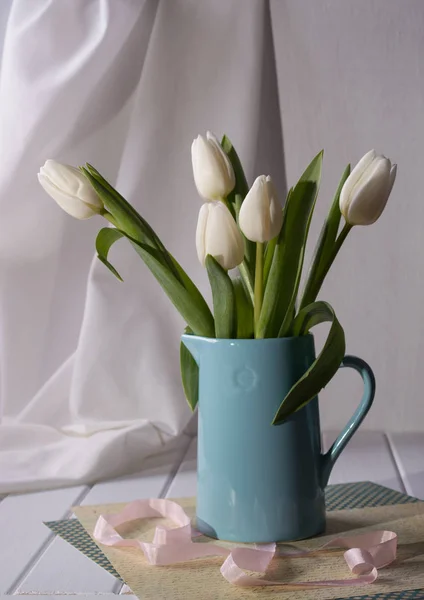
column 108, row 217
column 259, row 283
column 314, row 289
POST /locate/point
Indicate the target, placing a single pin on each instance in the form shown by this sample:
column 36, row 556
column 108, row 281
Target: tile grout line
column 397, row 463
column 119, row 585
column 35, row 559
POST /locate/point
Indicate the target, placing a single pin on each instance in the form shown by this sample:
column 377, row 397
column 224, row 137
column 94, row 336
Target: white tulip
column 213, row 173
column 217, row 234
column 367, row 189
column 70, row 189
column 261, row 214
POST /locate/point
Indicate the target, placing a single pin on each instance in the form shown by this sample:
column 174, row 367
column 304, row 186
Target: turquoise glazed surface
column 258, row 482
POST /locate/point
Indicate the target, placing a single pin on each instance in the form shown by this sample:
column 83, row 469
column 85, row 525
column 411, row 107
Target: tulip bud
column 261, row 214
column 213, row 173
column 367, row 189
column 217, row 234
column 70, row 189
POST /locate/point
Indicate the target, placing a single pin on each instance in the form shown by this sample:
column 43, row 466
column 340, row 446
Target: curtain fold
column 89, row 366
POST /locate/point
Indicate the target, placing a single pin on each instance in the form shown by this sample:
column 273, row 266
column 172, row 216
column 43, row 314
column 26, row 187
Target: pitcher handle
column 365, row 371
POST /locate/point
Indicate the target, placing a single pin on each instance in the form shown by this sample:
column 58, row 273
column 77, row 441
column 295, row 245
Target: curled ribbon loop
column 365, row 554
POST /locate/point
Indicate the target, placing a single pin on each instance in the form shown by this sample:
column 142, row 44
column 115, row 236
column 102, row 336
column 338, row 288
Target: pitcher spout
column 193, row 344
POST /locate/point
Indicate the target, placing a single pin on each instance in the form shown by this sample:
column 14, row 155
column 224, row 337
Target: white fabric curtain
column 89, row 366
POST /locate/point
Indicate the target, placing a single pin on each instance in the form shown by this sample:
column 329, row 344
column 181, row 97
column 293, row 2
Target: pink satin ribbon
column 365, row 553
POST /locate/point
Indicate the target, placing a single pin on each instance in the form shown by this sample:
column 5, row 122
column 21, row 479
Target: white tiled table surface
column 33, row 561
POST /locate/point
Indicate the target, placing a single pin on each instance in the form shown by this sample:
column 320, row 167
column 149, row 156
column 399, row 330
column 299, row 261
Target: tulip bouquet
column 248, row 229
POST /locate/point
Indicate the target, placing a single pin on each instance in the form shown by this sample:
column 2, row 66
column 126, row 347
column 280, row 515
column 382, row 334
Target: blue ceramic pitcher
column 258, row 482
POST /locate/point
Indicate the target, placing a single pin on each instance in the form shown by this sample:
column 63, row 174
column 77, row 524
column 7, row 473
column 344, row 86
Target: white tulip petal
column 254, row 215
column 70, row 204
column 213, row 174
column 225, row 162
column 201, row 231
column 393, row 172
column 275, row 209
column 353, row 179
column 71, row 181
column 223, row 240
column 204, row 168
column 70, row 189
column 260, row 216
column 370, row 195
column 365, row 162
column 64, row 177
column 367, row 189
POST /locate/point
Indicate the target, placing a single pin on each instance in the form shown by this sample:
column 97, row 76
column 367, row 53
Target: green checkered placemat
column 73, row 532
column 363, row 495
column 338, row 497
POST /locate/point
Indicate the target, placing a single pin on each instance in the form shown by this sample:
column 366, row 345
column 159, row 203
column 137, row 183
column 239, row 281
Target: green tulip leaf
column 194, row 310
column 110, row 267
column 174, row 280
column 324, row 247
column 223, row 299
column 192, row 289
column 105, row 239
column 241, row 186
column 325, row 365
column 120, row 207
column 183, row 294
column 189, row 374
column 286, row 267
column 244, row 310
column 124, row 216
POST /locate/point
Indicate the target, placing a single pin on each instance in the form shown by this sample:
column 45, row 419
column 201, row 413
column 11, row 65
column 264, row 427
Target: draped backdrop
column 89, row 366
